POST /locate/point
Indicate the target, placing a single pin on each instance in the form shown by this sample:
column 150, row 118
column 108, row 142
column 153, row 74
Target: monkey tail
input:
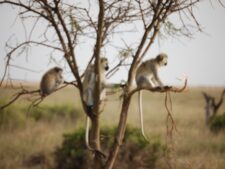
column 141, row 115
column 87, row 134
column 98, row 152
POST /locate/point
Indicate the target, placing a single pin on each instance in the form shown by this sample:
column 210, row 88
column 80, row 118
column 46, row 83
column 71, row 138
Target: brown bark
column 95, row 141
column 95, row 120
column 119, row 135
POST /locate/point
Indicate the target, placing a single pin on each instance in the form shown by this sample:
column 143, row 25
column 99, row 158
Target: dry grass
column 195, row 147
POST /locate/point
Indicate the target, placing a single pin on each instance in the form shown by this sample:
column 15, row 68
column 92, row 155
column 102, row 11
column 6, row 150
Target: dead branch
column 18, row 95
column 212, row 107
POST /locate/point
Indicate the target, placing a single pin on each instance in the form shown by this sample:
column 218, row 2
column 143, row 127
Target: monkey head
column 162, row 59
column 104, row 63
column 58, row 70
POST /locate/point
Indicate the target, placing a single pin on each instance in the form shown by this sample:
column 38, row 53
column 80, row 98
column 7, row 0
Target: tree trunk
column 95, row 141
column 95, row 133
column 119, row 135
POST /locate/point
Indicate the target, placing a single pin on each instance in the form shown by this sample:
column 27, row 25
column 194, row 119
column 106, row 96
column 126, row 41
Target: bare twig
column 18, row 95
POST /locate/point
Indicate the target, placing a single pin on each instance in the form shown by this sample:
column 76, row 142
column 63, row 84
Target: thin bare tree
column 212, row 106
column 99, row 25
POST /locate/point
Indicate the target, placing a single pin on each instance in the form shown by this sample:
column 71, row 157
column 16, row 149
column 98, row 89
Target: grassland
column 194, row 146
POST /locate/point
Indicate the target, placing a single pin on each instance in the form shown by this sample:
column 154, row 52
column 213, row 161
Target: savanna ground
column 25, row 141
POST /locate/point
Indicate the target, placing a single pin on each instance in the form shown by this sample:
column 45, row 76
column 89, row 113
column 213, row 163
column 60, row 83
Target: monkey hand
column 163, row 87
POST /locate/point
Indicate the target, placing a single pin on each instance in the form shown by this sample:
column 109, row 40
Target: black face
column 107, row 68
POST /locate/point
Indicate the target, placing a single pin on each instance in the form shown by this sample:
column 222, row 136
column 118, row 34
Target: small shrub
column 218, row 123
column 134, row 153
column 73, row 154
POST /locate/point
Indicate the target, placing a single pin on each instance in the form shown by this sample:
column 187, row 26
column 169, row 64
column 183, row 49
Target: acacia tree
column 99, row 24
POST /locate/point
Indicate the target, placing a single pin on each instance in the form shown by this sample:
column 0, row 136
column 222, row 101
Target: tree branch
column 28, row 8
column 161, row 90
column 97, row 51
column 18, row 95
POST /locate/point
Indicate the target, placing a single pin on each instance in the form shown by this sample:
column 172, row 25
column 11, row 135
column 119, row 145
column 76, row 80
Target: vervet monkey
column 89, row 90
column 147, row 76
column 50, row 81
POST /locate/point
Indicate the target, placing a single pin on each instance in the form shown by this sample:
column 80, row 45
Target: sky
column 201, row 59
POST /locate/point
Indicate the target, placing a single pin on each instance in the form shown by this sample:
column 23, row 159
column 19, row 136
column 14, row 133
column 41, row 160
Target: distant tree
column 212, row 107
column 68, row 24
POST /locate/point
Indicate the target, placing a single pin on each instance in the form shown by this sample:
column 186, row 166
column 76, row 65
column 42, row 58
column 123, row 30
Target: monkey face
column 106, row 67
column 162, row 59
column 104, row 63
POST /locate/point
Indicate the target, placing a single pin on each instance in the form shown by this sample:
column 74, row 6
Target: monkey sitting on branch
column 50, row 81
column 147, row 76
